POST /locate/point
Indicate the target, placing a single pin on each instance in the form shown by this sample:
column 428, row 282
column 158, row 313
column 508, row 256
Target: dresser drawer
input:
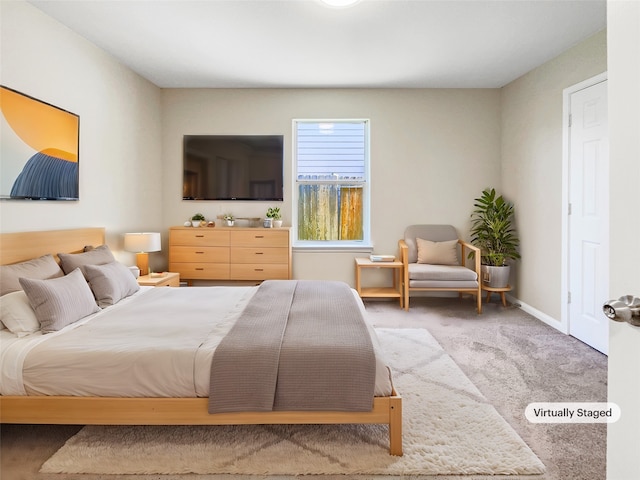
column 204, row 271
column 199, row 236
column 259, row 255
column 259, row 271
column 190, row 254
column 260, row 238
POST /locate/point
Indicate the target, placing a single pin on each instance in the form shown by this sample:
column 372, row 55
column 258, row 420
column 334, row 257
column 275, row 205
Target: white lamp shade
column 142, row 242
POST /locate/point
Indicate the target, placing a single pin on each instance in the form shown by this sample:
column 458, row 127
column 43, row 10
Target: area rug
column 449, row 429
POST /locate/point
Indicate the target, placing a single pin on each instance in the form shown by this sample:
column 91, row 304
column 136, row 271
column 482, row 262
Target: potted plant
column 229, row 218
column 197, row 219
column 492, row 231
column 273, row 213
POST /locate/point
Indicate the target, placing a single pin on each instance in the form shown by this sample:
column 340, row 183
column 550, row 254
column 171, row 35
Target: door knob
column 624, row 309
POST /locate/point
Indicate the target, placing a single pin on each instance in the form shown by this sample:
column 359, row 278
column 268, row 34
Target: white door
column 589, row 216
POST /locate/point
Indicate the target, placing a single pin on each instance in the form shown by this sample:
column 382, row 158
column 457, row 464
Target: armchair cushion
column 434, row 233
column 437, row 253
column 441, row 273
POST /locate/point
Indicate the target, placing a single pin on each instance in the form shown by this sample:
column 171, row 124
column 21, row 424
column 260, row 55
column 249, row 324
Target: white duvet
column 156, row 343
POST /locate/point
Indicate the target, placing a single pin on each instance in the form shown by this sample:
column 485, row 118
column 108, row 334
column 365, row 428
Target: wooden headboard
column 21, row 246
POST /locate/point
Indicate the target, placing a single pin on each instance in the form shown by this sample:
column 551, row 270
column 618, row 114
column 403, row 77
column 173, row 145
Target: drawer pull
column 199, row 236
column 200, row 269
column 259, row 253
column 259, row 269
column 199, row 252
column 259, row 236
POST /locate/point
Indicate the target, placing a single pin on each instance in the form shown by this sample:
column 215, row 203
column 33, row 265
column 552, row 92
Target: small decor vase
column 267, row 223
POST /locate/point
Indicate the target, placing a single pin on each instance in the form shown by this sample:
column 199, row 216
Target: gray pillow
column 59, row 302
column 111, row 282
column 42, row 268
column 98, row 256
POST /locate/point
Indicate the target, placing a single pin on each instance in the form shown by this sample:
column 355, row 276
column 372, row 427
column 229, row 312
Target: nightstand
column 166, row 279
column 394, row 291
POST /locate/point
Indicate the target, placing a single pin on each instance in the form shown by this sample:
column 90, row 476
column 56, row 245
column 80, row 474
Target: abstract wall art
column 39, row 146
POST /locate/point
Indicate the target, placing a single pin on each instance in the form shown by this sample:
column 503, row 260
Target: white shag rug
column 449, row 429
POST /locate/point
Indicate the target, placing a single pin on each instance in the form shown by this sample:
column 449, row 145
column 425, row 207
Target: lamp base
column 142, row 260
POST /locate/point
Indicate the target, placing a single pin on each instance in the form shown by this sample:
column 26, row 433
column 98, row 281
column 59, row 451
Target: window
column 331, row 172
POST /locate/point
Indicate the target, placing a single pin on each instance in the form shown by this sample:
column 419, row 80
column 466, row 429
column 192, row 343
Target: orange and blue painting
column 38, row 149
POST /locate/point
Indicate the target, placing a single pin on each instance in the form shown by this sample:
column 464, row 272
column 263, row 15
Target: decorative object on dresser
column 238, row 253
column 163, row 279
column 197, row 220
column 142, row 243
column 229, row 219
column 273, row 218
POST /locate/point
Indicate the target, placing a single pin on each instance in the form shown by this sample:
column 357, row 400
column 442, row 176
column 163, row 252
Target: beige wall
column 623, row 19
column 120, row 175
column 531, row 154
column 432, row 153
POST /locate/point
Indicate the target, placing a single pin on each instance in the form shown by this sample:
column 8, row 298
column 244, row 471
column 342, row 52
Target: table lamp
column 142, row 243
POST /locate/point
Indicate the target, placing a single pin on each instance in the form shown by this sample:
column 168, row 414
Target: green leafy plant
column 274, row 212
column 228, row 217
column 492, row 230
column 197, row 216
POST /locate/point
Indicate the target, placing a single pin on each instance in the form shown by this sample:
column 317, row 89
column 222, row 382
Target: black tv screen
column 233, row 167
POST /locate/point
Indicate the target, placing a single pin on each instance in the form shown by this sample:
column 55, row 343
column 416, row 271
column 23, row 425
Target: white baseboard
column 543, row 317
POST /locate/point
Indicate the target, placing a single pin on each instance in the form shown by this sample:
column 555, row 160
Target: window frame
column 363, row 245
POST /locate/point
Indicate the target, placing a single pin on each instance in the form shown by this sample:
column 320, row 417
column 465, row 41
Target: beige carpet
column 449, row 429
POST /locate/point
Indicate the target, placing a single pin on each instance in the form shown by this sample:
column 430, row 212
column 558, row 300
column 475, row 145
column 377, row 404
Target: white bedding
column 156, row 343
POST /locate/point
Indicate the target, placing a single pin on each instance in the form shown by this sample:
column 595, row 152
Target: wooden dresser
column 230, row 253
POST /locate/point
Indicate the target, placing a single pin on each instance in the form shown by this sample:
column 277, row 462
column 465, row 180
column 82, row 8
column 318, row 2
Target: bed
column 45, row 402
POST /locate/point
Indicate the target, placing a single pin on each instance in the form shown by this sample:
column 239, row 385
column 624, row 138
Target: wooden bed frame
column 18, row 247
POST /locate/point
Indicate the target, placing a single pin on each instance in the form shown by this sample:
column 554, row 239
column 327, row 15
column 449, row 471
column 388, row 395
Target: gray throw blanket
column 298, row 345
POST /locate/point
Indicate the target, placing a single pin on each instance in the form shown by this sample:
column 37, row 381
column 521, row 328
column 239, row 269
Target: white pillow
column 437, row 253
column 110, row 283
column 59, row 302
column 17, row 315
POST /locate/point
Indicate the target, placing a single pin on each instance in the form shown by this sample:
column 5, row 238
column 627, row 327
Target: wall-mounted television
column 233, row 167
column 39, row 149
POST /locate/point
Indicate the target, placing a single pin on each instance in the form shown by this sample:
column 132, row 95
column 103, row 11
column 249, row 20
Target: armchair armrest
column 404, row 252
column 476, row 255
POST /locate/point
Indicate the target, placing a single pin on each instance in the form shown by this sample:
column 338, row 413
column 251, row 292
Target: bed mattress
column 157, row 343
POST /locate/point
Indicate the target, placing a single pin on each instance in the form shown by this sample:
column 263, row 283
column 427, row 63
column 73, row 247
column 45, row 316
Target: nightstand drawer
column 259, row 272
column 197, row 254
column 167, row 279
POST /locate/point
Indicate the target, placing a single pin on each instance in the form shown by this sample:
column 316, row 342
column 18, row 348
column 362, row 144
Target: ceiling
column 303, row 44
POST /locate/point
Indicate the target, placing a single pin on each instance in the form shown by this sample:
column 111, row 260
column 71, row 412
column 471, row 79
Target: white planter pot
column 195, row 223
column 277, row 223
column 230, row 223
column 495, row 277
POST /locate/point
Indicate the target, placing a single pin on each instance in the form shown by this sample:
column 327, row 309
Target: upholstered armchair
column 434, row 260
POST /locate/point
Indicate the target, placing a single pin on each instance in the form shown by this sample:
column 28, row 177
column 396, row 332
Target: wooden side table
column 395, row 291
column 501, row 291
column 166, row 279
